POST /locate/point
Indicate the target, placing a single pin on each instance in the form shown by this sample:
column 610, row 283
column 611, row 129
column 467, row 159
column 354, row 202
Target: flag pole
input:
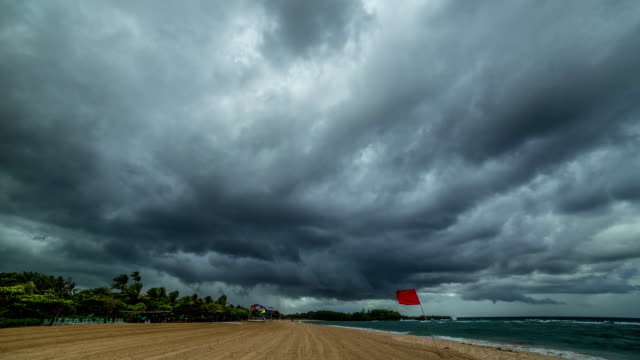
column 431, row 335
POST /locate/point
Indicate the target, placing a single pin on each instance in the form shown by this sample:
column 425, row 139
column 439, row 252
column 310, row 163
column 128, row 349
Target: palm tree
column 173, row 296
column 120, row 282
column 64, row 287
column 29, row 276
column 135, row 289
column 99, row 291
column 222, row 300
column 29, row 288
column 157, row 293
column 136, row 276
column 34, row 281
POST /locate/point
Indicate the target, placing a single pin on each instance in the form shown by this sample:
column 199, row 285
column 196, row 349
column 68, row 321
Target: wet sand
column 275, row 340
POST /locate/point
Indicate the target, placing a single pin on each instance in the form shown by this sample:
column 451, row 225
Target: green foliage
column 30, row 297
column 163, row 307
column 37, row 283
column 328, row 315
column 4, row 322
column 157, row 293
column 36, row 306
column 173, row 296
column 32, row 300
column 222, row 300
column 120, row 282
column 382, row 314
column 213, row 308
column 137, row 307
column 376, row 314
column 12, row 290
column 238, row 313
column 135, row 290
column 104, row 305
column 99, row 291
column 8, row 296
column 29, row 287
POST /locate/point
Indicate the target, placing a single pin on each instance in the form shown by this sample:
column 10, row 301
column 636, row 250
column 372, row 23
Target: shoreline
column 564, row 354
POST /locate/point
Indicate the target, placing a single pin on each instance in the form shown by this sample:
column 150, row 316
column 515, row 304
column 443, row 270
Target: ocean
column 570, row 338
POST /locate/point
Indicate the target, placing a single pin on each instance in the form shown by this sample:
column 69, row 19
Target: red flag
column 408, row 297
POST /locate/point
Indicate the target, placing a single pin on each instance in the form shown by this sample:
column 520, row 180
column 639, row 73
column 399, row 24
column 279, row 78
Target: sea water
column 569, row 338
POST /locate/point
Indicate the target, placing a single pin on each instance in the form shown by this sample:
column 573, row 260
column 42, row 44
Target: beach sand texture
column 275, row 340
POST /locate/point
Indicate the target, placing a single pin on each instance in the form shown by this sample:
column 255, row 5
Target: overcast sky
column 323, row 154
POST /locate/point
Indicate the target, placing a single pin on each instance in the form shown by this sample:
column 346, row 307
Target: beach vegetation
column 32, row 298
column 120, row 282
column 371, row 315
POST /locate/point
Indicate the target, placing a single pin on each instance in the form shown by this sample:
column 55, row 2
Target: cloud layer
column 325, row 150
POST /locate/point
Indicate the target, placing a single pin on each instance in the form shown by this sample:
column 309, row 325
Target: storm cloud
column 325, row 150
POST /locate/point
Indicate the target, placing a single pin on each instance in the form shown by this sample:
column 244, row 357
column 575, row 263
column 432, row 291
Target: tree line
column 28, row 298
column 370, row 315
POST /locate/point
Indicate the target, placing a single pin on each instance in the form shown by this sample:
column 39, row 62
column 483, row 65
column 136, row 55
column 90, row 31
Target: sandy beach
column 275, row 340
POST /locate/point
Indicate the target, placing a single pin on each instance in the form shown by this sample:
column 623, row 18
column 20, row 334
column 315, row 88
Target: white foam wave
column 606, row 322
column 550, row 352
column 569, row 355
column 570, row 321
column 472, row 321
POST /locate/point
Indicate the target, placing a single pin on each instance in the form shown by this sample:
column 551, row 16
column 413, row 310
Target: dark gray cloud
column 325, row 149
column 304, row 28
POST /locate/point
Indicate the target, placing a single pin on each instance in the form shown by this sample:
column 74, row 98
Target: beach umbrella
column 261, row 310
column 273, row 310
